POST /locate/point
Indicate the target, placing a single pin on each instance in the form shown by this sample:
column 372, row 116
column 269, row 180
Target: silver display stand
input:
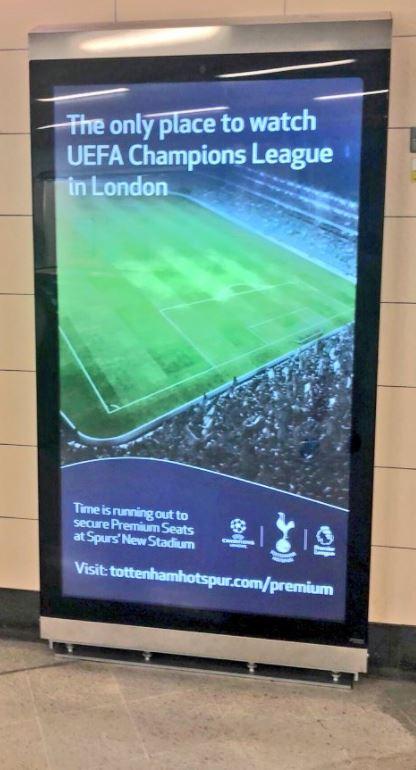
column 328, row 33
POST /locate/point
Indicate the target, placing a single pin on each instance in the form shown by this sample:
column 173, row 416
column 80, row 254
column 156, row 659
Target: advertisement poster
column 206, row 241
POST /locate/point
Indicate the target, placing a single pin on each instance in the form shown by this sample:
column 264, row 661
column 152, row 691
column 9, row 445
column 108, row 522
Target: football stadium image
column 226, row 342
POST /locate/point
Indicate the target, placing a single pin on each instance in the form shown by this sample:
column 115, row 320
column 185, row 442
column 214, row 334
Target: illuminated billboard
column 208, row 260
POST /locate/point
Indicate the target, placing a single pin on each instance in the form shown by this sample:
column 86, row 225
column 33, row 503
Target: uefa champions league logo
column 283, row 552
column 238, row 527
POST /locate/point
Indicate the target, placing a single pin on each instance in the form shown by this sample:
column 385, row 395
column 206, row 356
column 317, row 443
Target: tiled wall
column 393, row 583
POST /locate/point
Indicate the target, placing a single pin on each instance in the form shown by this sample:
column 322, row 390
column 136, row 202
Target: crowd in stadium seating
column 287, row 427
column 279, row 211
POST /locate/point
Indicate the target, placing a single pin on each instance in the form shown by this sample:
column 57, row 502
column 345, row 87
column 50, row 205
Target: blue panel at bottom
column 157, row 532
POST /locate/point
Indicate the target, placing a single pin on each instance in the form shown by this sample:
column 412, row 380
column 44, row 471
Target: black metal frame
column 373, row 67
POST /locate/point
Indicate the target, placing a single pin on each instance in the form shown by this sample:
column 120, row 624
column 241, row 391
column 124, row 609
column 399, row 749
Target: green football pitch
column 162, row 300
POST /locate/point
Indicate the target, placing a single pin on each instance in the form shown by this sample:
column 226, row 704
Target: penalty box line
column 223, row 364
column 212, row 367
column 85, row 371
column 187, row 339
column 103, row 403
column 275, row 318
column 296, row 334
column 110, row 410
column 185, row 379
column 184, row 305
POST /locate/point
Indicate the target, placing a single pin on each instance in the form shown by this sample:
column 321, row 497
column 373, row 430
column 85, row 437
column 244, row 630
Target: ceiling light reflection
column 69, row 123
column 350, row 95
column 272, row 70
column 185, row 112
column 147, row 38
column 84, row 95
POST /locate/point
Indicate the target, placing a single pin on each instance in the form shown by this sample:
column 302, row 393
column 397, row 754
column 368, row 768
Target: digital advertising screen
column 205, row 227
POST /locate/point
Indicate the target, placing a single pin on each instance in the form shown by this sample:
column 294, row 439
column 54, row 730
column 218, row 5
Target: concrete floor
column 86, row 716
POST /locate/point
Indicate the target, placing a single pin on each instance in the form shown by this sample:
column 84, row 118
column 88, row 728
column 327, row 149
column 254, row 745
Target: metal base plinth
column 204, row 666
column 233, row 650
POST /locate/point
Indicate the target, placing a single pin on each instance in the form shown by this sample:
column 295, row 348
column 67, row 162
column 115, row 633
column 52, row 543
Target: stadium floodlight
column 272, row 70
column 350, row 95
column 85, row 95
column 186, row 112
column 148, row 38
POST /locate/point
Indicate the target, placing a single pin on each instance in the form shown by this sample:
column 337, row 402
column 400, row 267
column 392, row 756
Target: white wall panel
column 15, row 184
column 400, row 189
column 394, row 520
column 403, row 11
column 17, row 332
column 393, row 586
column 403, row 74
column 18, row 17
column 399, row 260
column 14, row 92
column 396, row 428
column 134, row 10
column 17, row 408
column 397, row 360
column 18, row 482
column 19, row 558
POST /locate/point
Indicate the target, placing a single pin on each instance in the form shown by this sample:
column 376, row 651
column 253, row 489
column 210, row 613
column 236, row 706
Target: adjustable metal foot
column 69, row 648
column 336, row 676
column 356, row 677
column 50, row 644
column 252, row 667
column 147, row 656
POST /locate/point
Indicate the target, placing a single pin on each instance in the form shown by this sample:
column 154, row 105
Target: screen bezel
column 373, row 67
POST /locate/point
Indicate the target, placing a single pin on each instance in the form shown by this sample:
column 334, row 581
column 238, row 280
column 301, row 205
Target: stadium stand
column 287, row 427
column 325, row 228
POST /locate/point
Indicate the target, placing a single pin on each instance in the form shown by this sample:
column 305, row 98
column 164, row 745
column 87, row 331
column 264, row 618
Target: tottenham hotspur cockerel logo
column 283, row 552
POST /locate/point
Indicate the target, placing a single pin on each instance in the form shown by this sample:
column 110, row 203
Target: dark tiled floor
column 86, row 716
